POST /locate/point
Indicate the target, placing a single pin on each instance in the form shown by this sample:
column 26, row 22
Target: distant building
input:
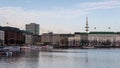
column 118, row 39
column 102, row 38
column 13, row 35
column 2, row 36
column 50, row 38
column 36, row 39
column 95, row 39
column 28, row 37
column 64, row 39
column 74, row 41
column 78, row 39
column 55, row 39
column 33, row 28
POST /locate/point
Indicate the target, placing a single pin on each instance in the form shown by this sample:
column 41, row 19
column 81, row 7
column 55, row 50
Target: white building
column 118, row 39
column 95, row 38
column 2, row 37
column 28, row 39
column 102, row 37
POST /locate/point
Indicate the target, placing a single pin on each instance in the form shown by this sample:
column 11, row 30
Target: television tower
column 87, row 27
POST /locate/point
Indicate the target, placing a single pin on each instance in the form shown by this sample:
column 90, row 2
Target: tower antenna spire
column 87, row 27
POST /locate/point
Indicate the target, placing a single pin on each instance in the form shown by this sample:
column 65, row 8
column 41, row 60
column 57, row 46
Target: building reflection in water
column 91, row 58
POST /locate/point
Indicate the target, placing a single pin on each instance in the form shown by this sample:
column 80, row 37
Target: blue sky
column 61, row 16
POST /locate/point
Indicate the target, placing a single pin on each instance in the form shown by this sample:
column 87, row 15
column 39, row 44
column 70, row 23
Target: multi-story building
column 64, row 39
column 118, row 39
column 2, row 36
column 28, row 37
column 95, row 39
column 102, row 38
column 55, row 39
column 13, row 35
column 33, row 28
column 36, row 39
column 79, row 38
column 74, row 41
column 50, row 38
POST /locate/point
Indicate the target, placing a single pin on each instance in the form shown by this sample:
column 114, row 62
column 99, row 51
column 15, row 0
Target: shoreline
column 95, row 47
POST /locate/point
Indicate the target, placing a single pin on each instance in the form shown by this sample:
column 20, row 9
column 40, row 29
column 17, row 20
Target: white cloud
column 17, row 16
column 100, row 5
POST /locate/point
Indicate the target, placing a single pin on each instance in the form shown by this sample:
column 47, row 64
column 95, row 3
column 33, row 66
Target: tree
column 64, row 41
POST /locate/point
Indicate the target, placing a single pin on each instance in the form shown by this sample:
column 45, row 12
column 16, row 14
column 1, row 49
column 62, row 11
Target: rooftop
column 80, row 33
column 7, row 28
column 102, row 33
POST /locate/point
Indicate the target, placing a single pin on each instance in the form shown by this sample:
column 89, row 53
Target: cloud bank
column 50, row 19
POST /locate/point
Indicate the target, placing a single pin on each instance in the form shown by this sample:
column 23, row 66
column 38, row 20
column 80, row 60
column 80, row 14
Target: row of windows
column 1, row 37
column 1, row 33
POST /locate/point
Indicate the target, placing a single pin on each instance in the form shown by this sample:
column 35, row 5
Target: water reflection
column 103, row 58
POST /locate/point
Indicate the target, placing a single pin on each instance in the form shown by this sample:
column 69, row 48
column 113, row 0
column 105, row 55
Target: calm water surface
column 89, row 58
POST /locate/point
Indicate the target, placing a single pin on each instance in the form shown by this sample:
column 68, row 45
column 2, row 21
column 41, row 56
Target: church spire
column 87, row 27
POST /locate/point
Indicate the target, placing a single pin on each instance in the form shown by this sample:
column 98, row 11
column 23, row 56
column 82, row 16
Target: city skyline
column 61, row 16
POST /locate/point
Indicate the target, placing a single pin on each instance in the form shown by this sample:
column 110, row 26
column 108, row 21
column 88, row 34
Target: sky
column 61, row 16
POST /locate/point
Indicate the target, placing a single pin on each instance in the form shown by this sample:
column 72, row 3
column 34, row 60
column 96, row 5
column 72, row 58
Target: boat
column 12, row 48
column 5, row 52
column 31, row 47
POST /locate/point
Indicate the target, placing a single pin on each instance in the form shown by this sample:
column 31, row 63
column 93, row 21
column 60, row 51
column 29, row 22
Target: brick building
column 13, row 35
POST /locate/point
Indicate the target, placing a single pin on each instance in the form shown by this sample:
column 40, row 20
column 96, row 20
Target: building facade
column 2, row 37
column 55, row 39
column 118, row 39
column 13, row 36
column 28, row 37
column 36, row 39
column 50, row 38
column 95, row 39
column 79, row 39
column 102, row 38
column 74, row 41
column 33, row 28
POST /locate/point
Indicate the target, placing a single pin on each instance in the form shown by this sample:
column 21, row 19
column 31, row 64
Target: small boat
column 12, row 48
column 30, row 47
column 5, row 52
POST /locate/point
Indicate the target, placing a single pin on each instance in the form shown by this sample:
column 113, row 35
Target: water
column 89, row 58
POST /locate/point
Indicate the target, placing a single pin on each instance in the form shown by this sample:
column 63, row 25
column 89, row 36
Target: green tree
column 64, row 41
